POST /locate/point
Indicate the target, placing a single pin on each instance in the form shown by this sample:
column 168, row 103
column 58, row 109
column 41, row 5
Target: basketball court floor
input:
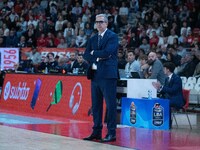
column 21, row 131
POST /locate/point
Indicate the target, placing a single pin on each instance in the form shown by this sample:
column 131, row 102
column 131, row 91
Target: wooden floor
column 25, row 132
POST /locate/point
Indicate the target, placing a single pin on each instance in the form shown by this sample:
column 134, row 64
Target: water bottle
column 149, row 94
column 77, row 69
column 74, row 71
column 32, row 70
column 132, row 113
column 46, row 70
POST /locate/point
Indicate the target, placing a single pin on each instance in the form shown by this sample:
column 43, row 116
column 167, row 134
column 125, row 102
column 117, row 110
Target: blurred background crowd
column 170, row 28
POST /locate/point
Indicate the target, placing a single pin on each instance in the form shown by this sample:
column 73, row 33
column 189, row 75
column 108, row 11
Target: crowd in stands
column 169, row 28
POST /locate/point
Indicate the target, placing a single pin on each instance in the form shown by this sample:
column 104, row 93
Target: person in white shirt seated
column 132, row 64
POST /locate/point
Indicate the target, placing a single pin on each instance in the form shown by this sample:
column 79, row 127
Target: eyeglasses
column 99, row 22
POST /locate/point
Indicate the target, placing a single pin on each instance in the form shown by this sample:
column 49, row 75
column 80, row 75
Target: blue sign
column 145, row 113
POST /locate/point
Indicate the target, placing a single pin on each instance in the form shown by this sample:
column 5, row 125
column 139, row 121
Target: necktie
column 99, row 40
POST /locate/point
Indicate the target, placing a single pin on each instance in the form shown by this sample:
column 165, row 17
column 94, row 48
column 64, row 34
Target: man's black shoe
column 93, row 137
column 109, row 138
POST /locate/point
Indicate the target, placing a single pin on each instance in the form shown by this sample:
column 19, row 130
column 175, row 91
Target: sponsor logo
column 19, row 92
column 75, row 98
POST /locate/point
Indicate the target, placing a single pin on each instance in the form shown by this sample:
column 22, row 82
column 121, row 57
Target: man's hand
column 156, row 85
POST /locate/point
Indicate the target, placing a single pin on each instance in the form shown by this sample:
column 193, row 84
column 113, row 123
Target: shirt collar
column 102, row 34
column 170, row 76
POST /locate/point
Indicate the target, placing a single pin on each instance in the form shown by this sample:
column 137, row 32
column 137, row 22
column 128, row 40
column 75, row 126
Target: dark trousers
column 104, row 89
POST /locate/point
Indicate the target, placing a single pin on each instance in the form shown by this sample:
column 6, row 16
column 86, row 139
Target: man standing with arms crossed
column 101, row 53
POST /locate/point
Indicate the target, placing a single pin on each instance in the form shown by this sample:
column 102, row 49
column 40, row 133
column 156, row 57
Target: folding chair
column 189, row 86
column 197, row 89
column 184, row 80
column 192, row 80
column 198, row 80
column 183, row 110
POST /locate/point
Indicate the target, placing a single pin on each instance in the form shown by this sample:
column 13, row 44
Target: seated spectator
column 69, row 28
column 81, row 64
column 189, row 67
column 142, row 35
column 123, row 44
column 50, row 43
column 197, row 68
column 154, row 39
column 81, row 39
column 44, row 64
column 22, row 42
column 59, row 24
column 143, row 66
column 159, row 55
column 123, row 12
column 41, row 41
column 145, row 46
column 134, row 40
column 162, row 39
column 190, row 38
column 52, row 62
column 117, row 20
column 182, row 36
column 41, row 29
column 132, row 64
column 25, row 65
column 171, row 37
column 76, row 11
column 155, row 70
column 56, row 40
column 50, row 36
column 121, row 60
column 73, row 60
column 11, row 40
column 88, row 30
column 63, row 65
column 2, row 42
column 72, row 44
column 62, row 44
column 181, row 50
column 30, row 38
column 69, row 37
column 34, row 56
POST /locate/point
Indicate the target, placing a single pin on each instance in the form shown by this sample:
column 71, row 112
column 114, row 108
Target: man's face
column 101, row 24
column 166, row 71
column 131, row 57
column 51, row 58
column 72, row 56
column 80, row 59
column 151, row 58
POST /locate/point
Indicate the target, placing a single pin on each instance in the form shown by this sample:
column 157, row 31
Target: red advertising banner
column 54, row 95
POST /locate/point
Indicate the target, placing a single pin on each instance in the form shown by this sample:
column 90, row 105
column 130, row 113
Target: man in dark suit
column 172, row 89
column 101, row 54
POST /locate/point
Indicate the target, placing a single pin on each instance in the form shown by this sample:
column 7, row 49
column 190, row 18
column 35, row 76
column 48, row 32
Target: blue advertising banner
column 145, row 113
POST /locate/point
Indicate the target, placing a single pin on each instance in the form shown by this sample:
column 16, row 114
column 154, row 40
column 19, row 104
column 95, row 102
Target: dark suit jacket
column 107, row 53
column 173, row 91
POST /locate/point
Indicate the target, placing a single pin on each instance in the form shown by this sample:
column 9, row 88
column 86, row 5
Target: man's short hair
column 169, row 65
column 103, row 15
column 143, row 57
